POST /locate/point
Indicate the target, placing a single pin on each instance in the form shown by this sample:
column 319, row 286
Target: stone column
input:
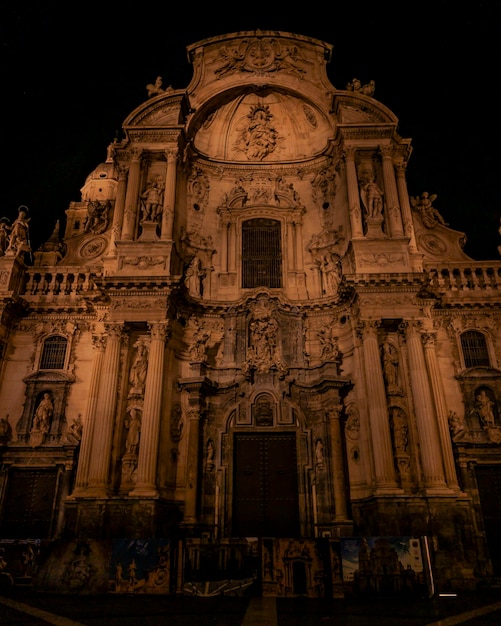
column 378, row 410
column 232, row 245
column 340, row 506
column 393, row 214
column 291, row 243
column 191, row 491
column 84, row 456
column 131, row 197
column 429, row 342
column 353, row 194
column 169, row 196
column 118, row 214
column 403, row 195
column 298, row 226
column 146, row 480
column 431, row 453
column 105, row 413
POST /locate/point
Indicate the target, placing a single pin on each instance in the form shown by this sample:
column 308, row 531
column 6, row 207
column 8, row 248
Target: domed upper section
column 263, row 126
column 100, row 183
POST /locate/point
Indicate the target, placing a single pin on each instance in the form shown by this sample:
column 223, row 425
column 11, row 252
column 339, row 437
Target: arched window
column 53, row 353
column 474, row 348
column 261, row 253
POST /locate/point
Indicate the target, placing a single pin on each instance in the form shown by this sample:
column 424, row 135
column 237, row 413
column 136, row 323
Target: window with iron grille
column 54, row 353
column 474, row 349
column 261, row 253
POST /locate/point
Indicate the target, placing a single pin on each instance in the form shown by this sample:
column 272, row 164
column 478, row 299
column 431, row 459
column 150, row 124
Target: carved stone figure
column 423, row 206
column 390, row 364
column 198, row 344
column 372, row 195
column 4, row 234
column 97, row 217
column 152, row 201
column 139, row 368
column 133, row 425
column 484, row 406
column 43, row 414
column 194, row 277
column 457, row 427
column 330, row 350
column 19, row 241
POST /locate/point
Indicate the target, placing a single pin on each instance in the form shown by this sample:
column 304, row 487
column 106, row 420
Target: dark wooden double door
column 265, row 486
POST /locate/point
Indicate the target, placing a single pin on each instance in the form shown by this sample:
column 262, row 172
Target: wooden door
column 265, row 488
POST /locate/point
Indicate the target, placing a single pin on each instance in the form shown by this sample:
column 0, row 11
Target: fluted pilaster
column 150, row 426
column 353, row 194
column 393, row 214
column 429, row 446
column 169, row 195
column 131, row 197
column 105, row 413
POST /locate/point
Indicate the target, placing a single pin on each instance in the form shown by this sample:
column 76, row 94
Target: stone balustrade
column 465, row 276
column 59, row 281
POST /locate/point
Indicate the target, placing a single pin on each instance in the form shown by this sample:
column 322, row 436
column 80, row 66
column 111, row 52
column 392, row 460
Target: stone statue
column 372, row 195
column 484, row 406
column 423, row 206
column 457, row 427
column 139, row 368
column 152, row 201
column 43, row 414
column 4, row 234
column 198, row 344
column 19, row 241
column 390, row 364
column 133, row 425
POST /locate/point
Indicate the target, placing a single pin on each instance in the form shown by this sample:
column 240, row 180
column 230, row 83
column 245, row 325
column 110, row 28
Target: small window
column 54, row 353
column 474, row 349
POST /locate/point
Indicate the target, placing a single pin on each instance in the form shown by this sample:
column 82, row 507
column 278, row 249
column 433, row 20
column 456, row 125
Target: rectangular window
column 261, row 254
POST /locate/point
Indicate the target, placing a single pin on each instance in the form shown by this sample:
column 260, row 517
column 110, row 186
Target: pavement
column 24, row 607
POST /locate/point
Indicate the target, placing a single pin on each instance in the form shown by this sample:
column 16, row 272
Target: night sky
column 72, row 72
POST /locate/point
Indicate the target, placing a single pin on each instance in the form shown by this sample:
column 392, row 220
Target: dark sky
column 72, row 72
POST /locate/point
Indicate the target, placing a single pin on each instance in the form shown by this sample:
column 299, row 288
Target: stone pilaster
column 378, row 411
column 393, row 215
column 105, row 413
column 131, row 197
column 429, row 342
column 150, row 426
column 353, row 194
column 403, row 195
column 338, row 477
column 169, row 195
column 118, row 214
column 90, row 416
column 429, row 446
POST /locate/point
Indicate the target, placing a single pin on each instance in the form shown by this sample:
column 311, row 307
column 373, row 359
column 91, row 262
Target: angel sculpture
column 423, row 205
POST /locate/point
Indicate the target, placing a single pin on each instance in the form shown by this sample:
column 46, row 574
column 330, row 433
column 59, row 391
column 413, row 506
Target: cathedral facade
column 247, row 327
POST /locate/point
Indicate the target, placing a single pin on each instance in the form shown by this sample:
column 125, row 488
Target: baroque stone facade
column 248, row 327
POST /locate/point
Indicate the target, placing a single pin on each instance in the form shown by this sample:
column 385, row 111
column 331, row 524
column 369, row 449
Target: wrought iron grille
column 474, row 349
column 54, row 353
column 261, row 253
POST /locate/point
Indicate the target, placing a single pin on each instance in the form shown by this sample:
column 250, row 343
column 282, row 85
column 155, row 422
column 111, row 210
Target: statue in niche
column 423, row 206
column 97, row 219
column 485, row 409
column 209, row 455
column 133, row 426
column 43, row 414
column 331, row 273
column 372, row 195
column 319, row 454
column 258, row 138
column 139, row 368
column 390, row 365
column 194, row 277
column 152, row 200
column 400, row 430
